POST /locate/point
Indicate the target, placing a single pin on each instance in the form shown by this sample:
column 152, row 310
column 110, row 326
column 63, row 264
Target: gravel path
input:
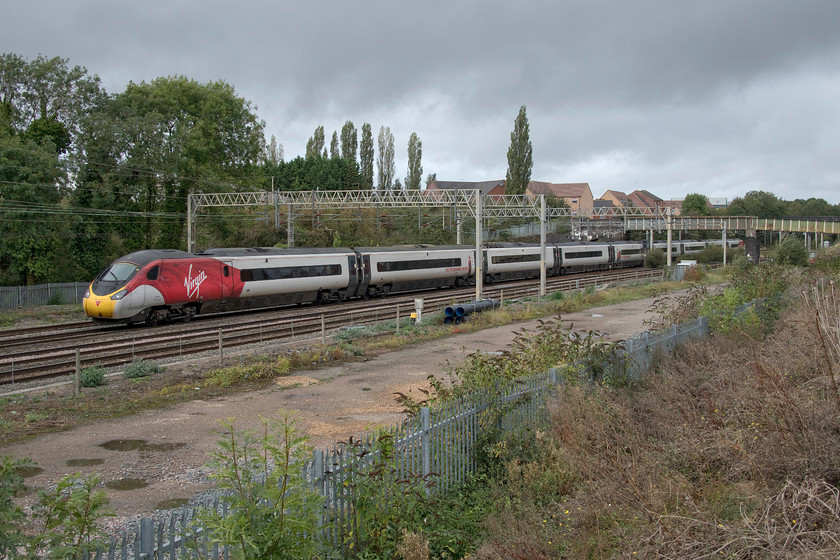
column 168, row 448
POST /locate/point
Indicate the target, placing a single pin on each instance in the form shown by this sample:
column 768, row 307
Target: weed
column 142, row 368
column 93, row 376
column 33, row 417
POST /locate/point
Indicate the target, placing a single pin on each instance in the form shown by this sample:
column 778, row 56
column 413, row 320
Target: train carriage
column 417, row 267
column 628, row 254
column 270, row 276
column 515, row 261
column 575, row 257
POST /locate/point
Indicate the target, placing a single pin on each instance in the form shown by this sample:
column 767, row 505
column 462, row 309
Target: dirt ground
column 167, row 449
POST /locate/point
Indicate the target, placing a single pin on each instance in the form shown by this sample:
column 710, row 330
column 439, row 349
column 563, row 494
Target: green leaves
column 272, row 510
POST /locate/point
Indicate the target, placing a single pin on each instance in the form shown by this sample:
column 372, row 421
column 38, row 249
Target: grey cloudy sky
column 718, row 96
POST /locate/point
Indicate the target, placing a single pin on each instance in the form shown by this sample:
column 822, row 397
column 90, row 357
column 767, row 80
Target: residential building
column 578, row 196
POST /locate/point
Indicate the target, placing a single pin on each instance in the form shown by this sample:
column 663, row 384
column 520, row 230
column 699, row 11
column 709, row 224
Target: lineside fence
column 435, row 450
column 13, row 297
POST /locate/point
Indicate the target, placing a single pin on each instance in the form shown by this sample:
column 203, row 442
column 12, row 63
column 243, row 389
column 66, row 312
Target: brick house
column 578, row 196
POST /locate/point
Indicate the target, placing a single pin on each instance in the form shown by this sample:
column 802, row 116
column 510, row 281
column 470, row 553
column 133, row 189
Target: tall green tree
column 385, row 165
column 315, row 146
column 349, row 141
column 695, row 204
column 415, row 165
column 366, row 156
column 274, row 151
column 334, row 152
column 519, row 155
column 160, row 141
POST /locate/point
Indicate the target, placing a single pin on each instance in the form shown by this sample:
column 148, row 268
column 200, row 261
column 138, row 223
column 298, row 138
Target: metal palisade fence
column 434, row 450
column 13, row 297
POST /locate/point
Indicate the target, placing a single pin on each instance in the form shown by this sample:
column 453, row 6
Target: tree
column 158, row 142
column 761, row 204
column 274, row 152
column 695, row 205
column 430, row 178
column 334, row 153
column 349, row 141
column 366, row 156
column 315, row 145
column 519, row 156
column 415, row 166
column 385, row 166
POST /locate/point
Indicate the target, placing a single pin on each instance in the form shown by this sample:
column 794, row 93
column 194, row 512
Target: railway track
column 47, row 354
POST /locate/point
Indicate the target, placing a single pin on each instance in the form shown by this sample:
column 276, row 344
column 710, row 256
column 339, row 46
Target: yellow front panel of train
column 99, row 306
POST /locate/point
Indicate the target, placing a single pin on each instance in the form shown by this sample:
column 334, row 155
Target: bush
column 712, row 253
column 655, row 258
column 791, row 251
column 142, row 368
column 93, row 376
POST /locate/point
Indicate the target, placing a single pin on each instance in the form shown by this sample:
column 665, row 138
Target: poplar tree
column 366, row 156
column 315, row 144
column 415, row 166
column 519, row 156
column 349, row 141
column 385, row 159
column 334, row 153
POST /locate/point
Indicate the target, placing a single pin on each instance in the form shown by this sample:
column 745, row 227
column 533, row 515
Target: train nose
column 96, row 306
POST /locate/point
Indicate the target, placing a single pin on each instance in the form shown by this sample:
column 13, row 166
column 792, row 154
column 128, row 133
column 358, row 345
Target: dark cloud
column 675, row 96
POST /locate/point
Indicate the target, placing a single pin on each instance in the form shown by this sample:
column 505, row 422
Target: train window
column 226, row 271
column 288, row 272
column 625, row 252
column 153, row 272
column 582, row 254
column 508, row 259
column 416, row 265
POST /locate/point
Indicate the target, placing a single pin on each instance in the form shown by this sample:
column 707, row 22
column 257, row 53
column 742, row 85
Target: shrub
column 93, row 376
column 273, row 511
column 655, row 258
column 791, row 251
column 142, row 368
column 712, row 253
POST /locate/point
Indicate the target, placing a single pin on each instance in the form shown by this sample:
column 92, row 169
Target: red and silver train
column 161, row 285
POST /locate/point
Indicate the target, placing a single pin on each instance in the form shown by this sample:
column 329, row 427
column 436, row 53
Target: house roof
column 600, row 203
column 560, row 190
column 484, row 186
column 647, row 198
column 618, row 195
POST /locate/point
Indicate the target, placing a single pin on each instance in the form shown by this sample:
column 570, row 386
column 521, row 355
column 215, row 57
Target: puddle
column 140, row 445
column 123, row 444
column 171, row 503
column 126, row 484
column 162, row 447
column 84, row 462
column 29, row 472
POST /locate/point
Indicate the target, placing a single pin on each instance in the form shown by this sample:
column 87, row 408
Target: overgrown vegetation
column 93, row 376
column 62, row 524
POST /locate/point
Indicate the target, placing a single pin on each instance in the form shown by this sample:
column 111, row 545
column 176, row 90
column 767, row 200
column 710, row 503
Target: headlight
column 87, row 293
column 120, row 294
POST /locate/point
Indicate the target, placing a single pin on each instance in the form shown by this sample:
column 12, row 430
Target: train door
column 365, row 272
column 611, row 258
column 355, row 278
column 227, row 279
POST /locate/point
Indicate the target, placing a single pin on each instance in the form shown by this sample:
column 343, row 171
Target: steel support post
column 189, row 223
column 479, row 257
column 542, row 245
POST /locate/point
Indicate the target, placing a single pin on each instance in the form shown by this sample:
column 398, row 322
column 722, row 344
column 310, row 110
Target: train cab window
column 153, row 273
column 226, row 271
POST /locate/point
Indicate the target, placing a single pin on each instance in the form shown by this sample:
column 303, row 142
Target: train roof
column 260, row 251
column 146, row 256
column 406, row 248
